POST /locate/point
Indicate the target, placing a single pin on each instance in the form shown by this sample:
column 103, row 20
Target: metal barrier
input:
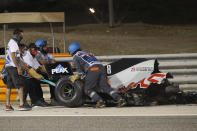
column 182, row 66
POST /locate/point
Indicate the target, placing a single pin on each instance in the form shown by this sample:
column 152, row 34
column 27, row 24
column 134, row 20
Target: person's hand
column 19, row 71
column 43, row 69
column 43, row 62
column 73, row 78
column 53, row 61
column 34, row 74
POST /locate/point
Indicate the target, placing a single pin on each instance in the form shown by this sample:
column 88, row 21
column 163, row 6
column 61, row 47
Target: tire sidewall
column 77, row 99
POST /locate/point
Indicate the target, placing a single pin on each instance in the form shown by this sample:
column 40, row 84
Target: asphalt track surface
column 152, row 118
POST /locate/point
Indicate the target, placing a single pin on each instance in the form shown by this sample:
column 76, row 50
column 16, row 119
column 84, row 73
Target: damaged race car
column 139, row 81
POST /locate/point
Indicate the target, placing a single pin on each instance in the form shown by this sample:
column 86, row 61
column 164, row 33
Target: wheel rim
column 67, row 91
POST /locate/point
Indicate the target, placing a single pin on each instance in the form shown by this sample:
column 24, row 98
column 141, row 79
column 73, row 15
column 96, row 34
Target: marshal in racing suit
column 94, row 73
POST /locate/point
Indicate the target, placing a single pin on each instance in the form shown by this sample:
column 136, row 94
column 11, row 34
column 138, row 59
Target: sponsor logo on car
column 59, row 69
column 142, row 69
column 144, row 83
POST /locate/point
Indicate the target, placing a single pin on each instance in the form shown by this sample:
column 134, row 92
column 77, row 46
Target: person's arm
column 77, row 65
column 13, row 55
column 80, row 74
column 31, row 71
column 42, row 62
column 13, row 51
column 36, row 64
column 40, row 59
column 52, row 59
column 24, row 66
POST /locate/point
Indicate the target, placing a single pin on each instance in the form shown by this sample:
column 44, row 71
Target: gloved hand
column 34, row 74
column 43, row 69
column 73, row 78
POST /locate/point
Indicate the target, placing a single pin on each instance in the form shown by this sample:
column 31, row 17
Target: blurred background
column 126, row 26
column 77, row 11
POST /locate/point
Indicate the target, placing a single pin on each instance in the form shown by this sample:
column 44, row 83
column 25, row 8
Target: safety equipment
column 17, row 36
column 32, row 45
column 73, row 78
column 40, row 44
column 33, row 49
column 73, row 47
column 34, row 74
column 43, row 69
column 34, row 52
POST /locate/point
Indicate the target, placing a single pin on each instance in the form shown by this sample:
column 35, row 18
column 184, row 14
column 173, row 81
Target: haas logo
column 155, row 78
column 145, row 83
column 59, row 69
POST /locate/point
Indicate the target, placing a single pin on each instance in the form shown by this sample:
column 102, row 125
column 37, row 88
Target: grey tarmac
column 150, row 118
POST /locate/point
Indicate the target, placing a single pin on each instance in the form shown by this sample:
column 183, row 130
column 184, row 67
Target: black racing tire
column 69, row 94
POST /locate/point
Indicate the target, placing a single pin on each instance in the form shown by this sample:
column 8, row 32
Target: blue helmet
column 40, row 44
column 73, row 47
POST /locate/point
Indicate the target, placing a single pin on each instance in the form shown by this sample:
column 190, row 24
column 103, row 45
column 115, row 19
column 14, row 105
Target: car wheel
column 69, row 94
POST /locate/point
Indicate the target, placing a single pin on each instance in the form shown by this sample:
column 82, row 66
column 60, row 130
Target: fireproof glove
column 34, row 74
column 73, row 78
column 43, row 69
